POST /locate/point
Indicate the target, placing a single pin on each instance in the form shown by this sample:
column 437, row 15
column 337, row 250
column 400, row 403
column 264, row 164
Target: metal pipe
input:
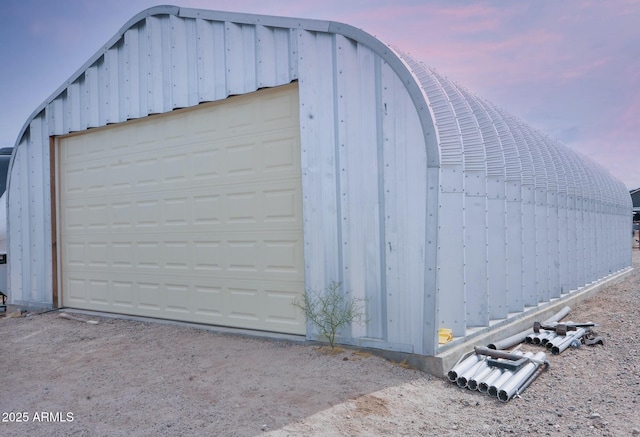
column 565, row 344
column 556, row 341
column 495, row 388
column 502, row 380
column 546, row 340
column 483, row 386
column 559, row 339
column 512, row 356
column 464, row 378
column 510, row 387
column 541, row 336
column 463, row 366
column 519, row 338
column 481, row 375
column 529, row 339
column 532, row 378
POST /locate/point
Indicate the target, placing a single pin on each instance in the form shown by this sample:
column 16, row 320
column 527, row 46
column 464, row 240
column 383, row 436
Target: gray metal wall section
column 555, row 224
column 433, row 205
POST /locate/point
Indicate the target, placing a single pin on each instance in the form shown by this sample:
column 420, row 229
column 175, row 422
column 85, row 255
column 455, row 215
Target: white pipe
column 507, row 391
column 529, row 380
column 504, row 379
column 531, row 337
column 464, row 378
column 565, row 344
column 549, row 338
column 462, row 367
column 478, row 377
column 483, row 386
column 541, row 336
column 495, row 387
column 556, row 341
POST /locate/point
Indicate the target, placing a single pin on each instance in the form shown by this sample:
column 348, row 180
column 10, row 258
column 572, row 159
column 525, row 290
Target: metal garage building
column 209, row 167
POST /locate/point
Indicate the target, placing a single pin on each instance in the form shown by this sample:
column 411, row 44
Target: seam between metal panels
column 336, row 162
column 381, row 201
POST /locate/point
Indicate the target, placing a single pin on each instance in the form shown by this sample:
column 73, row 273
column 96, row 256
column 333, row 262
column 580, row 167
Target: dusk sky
column 569, row 68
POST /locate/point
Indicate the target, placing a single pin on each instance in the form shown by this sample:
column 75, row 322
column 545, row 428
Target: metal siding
column 405, row 195
column 91, row 103
column 357, row 162
column 55, row 116
column 319, row 177
column 475, row 206
column 113, row 86
column 513, row 259
column 452, row 313
column 241, row 72
column 529, row 279
column 553, row 258
column 72, row 108
column 496, row 224
column 181, row 56
column 131, row 75
column 155, row 71
column 529, row 271
column 273, row 59
column 17, row 245
column 497, row 229
column 541, row 214
column 515, row 247
column 346, row 107
column 212, row 70
column 30, row 247
column 451, row 236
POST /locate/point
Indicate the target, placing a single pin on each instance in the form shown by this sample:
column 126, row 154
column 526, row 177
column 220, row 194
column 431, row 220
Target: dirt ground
column 64, row 377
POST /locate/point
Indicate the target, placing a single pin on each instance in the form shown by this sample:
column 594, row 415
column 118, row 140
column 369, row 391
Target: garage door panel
column 279, row 254
column 123, row 295
column 272, row 205
column 158, row 174
column 260, row 306
column 194, row 216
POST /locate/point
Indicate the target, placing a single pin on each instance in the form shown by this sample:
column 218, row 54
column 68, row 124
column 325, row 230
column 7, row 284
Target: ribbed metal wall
column 436, row 207
column 556, row 218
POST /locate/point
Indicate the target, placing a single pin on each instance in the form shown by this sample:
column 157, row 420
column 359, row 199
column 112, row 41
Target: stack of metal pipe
column 476, row 372
column 555, row 342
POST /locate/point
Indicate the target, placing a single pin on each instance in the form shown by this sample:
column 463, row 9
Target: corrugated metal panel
column 493, row 148
column 473, row 145
column 513, row 163
column 527, row 169
column 497, row 271
column 450, row 143
column 365, row 128
column 474, row 178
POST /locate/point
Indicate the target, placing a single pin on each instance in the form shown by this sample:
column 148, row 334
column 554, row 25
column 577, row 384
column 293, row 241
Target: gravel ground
column 64, row 377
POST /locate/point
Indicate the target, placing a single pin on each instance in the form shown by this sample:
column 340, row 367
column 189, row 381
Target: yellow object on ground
column 445, row 335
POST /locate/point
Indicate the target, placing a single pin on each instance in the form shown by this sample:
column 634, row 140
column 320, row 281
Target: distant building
column 635, row 198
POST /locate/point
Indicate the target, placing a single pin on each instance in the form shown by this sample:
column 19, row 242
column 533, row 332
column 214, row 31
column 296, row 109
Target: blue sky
column 569, row 68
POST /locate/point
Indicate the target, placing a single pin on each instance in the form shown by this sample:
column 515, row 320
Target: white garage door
column 194, row 215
